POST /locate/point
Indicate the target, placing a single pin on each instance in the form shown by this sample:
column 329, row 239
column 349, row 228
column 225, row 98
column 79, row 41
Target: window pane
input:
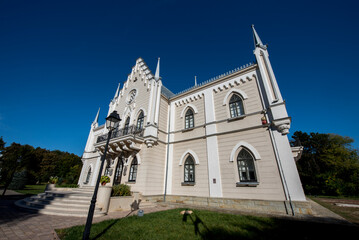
column 246, row 169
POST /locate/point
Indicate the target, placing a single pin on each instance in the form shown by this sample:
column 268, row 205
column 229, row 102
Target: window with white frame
column 189, row 173
column 189, row 119
column 246, row 169
column 88, row 176
column 133, row 171
column 236, row 108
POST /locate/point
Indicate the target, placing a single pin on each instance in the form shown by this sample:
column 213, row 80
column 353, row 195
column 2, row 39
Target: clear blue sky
column 62, row 60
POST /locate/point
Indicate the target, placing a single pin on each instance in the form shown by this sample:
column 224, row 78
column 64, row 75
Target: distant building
column 221, row 143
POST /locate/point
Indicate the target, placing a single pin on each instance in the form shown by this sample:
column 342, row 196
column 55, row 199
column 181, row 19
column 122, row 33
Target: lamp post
column 112, row 122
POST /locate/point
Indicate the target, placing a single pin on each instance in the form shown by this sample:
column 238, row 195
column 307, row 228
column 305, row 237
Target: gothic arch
column 184, row 110
column 247, row 146
column 229, row 93
column 185, row 154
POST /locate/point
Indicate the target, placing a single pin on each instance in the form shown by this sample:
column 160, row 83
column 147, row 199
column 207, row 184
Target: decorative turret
column 271, row 93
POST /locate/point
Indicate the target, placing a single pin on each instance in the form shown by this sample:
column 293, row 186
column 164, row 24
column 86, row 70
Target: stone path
column 18, row 224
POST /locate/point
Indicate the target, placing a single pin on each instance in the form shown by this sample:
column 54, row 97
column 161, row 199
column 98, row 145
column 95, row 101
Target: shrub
column 121, row 190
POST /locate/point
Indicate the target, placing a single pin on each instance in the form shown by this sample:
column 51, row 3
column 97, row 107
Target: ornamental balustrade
column 130, row 130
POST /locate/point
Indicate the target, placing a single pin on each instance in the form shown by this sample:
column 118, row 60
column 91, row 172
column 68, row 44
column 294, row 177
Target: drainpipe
column 168, row 150
column 285, row 186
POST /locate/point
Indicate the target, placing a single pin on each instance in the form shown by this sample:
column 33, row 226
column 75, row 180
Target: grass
column 349, row 213
column 32, row 189
column 204, row 224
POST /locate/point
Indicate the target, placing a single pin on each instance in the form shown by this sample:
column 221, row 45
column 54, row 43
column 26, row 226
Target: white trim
column 138, row 112
column 189, row 106
column 193, row 154
column 130, row 158
column 246, row 145
column 240, row 92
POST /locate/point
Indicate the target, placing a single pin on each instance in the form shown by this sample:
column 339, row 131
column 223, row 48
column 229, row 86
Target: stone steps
column 61, row 202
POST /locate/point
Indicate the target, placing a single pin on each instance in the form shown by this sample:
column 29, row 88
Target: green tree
column 329, row 165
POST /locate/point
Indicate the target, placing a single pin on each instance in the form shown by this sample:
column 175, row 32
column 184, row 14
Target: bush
column 18, row 181
column 121, row 190
column 53, row 180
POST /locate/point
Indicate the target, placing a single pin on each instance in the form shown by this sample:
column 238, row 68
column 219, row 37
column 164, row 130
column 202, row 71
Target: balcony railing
column 131, row 130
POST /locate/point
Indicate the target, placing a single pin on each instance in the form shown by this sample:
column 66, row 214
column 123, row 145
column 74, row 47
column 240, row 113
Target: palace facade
column 224, row 139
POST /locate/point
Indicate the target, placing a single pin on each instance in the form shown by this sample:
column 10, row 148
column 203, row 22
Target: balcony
column 127, row 131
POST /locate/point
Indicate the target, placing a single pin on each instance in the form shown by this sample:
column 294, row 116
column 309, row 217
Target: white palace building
column 221, row 143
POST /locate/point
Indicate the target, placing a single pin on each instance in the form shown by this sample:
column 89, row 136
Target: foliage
column 203, row 224
column 104, row 179
column 40, row 164
column 19, row 180
column 329, row 165
column 121, row 190
column 53, row 180
column 64, row 185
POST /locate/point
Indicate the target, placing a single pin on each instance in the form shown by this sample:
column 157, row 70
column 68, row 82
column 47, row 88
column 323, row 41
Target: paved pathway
column 18, row 224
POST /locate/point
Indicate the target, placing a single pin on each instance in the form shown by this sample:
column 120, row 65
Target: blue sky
column 62, row 60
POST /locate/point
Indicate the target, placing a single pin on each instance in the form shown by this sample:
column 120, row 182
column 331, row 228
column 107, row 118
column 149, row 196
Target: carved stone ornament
column 282, row 125
column 131, row 96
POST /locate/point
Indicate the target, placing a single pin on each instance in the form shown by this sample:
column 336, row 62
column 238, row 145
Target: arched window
column 236, row 106
column 140, row 121
column 127, row 125
column 246, row 170
column 189, row 119
column 88, row 175
column 119, row 169
column 108, row 168
column 133, row 171
column 189, row 170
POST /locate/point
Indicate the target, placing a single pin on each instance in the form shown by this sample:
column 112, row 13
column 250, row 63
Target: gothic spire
column 117, row 91
column 96, row 118
column 257, row 40
column 157, row 75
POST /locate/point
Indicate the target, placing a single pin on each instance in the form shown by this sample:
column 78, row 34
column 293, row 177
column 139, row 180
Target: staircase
column 62, row 202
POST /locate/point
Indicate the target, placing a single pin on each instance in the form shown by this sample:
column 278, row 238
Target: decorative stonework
column 282, row 125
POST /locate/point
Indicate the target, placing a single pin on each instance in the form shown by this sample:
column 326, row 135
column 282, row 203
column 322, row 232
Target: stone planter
column 103, row 197
column 121, row 203
column 50, row 186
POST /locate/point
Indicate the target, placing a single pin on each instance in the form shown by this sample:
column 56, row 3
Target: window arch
column 236, row 106
column 189, row 119
column 140, row 120
column 189, row 170
column 133, row 171
column 127, row 125
column 88, row 176
column 245, row 164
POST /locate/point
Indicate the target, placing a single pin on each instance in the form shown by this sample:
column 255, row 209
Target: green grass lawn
column 32, row 189
column 204, row 224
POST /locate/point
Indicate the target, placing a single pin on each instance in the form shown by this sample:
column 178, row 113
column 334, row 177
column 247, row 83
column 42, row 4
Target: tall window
column 133, row 171
column 118, row 173
column 127, row 125
column 189, row 170
column 236, row 106
column 246, row 171
column 108, row 168
column 189, row 119
column 88, row 176
column 140, row 120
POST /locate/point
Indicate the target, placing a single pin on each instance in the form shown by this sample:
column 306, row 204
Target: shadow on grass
column 276, row 228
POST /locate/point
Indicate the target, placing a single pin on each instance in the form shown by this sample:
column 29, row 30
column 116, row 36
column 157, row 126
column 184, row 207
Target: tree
column 329, row 165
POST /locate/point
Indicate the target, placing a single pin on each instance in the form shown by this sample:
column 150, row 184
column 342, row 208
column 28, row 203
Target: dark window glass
column 119, row 168
column 246, row 171
column 189, row 119
column 140, row 120
column 236, row 106
column 133, row 171
column 127, row 124
column 189, row 170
